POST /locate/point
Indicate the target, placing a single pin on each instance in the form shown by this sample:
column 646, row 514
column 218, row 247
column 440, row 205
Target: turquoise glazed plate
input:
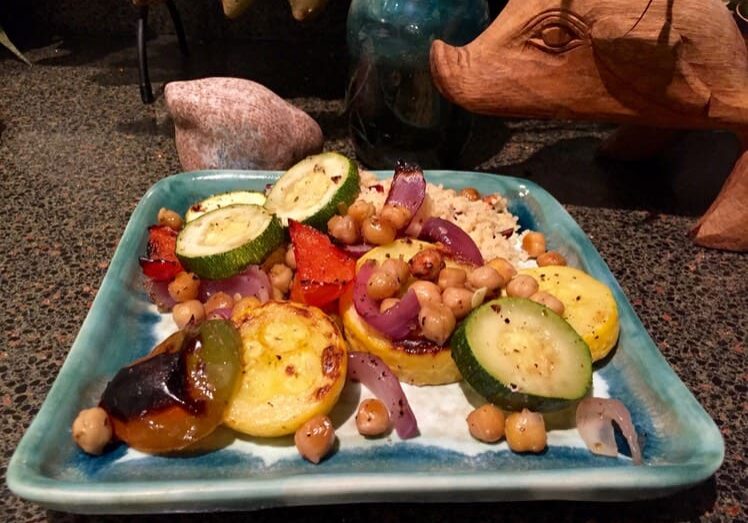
column 680, row 443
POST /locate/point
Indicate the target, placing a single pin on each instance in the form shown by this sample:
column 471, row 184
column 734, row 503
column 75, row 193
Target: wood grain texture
column 678, row 64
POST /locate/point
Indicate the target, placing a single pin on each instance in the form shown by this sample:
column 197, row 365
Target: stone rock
column 232, row 123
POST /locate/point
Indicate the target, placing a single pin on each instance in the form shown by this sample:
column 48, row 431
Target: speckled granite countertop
column 78, row 150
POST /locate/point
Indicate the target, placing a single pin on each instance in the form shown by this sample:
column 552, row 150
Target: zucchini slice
column 312, row 191
column 520, row 354
column 211, row 203
column 221, row 243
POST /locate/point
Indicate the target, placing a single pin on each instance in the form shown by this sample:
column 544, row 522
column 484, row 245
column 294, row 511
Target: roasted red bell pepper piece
column 323, row 272
column 160, row 262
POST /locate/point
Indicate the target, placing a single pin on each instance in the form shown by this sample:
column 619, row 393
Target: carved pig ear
column 646, row 66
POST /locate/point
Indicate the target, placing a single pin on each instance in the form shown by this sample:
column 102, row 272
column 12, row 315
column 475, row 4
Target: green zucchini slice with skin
column 520, row 354
column 216, row 201
column 314, row 189
column 222, row 243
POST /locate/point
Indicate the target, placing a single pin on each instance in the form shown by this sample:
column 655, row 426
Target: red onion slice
column 253, row 281
column 378, row 378
column 595, row 417
column 357, row 250
column 408, row 188
column 397, row 321
column 456, row 241
column 158, row 292
column 222, row 313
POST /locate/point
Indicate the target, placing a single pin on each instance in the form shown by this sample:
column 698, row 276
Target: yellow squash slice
column 416, row 362
column 294, row 364
column 589, row 306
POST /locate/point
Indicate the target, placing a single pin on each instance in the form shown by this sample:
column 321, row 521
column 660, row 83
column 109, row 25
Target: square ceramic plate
column 681, row 444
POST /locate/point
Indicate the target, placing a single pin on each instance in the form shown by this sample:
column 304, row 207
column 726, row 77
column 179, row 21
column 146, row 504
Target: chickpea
column 534, row 244
column 276, row 256
column 459, row 300
column 377, row 232
column 169, row 218
column 427, row 292
column 372, row 418
column 396, row 216
column 486, row 423
column 451, row 277
column 315, row 438
column 343, row 229
column 504, row 267
column 382, row 284
column 360, row 210
column 471, row 193
column 522, row 286
column 92, row 430
column 551, row 258
column 492, row 199
column 290, row 258
column 187, row 311
column 437, row 322
column 184, row 287
column 280, row 277
column 549, row 300
column 525, row 431
column 388, row 303
column 487, row 277
column 219, row 300
column 427, row 264
column 398, row 268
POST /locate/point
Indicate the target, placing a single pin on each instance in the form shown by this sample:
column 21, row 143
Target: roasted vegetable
column 177, row 394
column 160, row 262
column 223, row 242
column 314, row 189
column 416, row 360
column 589, row 305
column 322, row 270
column 519, row 354
column 294, row 366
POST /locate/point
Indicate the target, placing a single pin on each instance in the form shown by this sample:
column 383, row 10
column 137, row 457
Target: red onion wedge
column 253, row 281
column 222, row 313
column 356, row 250
column 408, row 188
column 397, row 321
column 456, row 241
column 158, row 292
column 378, row 378
column 595, row 417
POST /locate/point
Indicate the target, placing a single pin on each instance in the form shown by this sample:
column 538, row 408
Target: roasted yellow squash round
column 418, row 362
column 294, row 363
column 589, row 306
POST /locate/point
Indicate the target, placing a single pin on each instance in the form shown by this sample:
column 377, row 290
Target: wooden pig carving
column 678, row 64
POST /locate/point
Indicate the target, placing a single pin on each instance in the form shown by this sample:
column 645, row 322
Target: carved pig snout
column 443, row 60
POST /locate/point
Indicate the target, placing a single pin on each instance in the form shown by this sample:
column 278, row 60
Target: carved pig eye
column 557, row 33
column 556, row 36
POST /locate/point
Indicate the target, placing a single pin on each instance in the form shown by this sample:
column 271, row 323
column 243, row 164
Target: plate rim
column 650, row 481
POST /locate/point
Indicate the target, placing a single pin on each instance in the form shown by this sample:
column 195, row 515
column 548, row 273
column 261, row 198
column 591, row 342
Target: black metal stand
column 146, row 92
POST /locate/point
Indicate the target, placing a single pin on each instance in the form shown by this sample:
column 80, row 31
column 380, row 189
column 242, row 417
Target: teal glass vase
column 395, row 110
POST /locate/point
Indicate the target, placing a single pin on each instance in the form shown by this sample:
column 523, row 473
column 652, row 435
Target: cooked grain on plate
column 484, row 222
